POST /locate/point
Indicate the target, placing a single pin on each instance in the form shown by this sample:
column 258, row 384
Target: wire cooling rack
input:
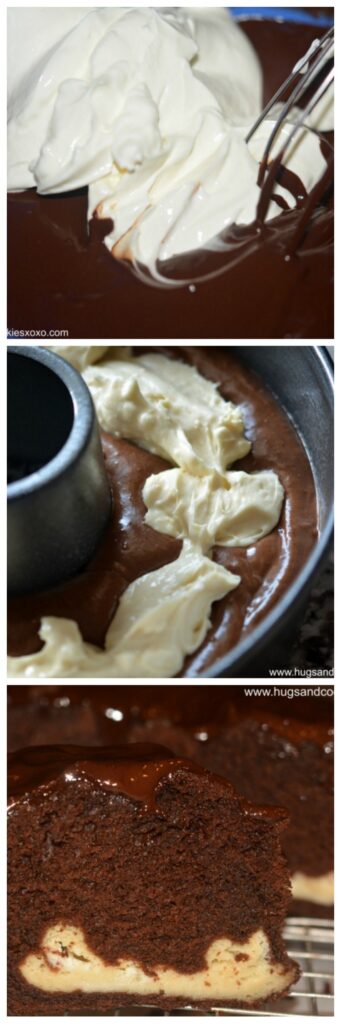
column 309, row 941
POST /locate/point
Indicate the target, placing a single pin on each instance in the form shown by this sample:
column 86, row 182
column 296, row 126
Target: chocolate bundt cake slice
column 138, row 877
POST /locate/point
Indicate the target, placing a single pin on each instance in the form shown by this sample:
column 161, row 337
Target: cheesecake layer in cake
column 138, row 877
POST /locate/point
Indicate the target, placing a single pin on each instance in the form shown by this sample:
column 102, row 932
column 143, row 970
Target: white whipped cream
column 170, row 409
column 150, row 108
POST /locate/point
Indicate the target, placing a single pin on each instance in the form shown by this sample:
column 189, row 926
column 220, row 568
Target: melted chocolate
column 130, row 548
column 74, row 284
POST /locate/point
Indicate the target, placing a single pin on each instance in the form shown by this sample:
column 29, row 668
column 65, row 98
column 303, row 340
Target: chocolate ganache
column 131, row 548
column 72, row 282
column 133, row 771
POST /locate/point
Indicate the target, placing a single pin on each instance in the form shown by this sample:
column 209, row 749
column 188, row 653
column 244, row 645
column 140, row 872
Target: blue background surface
column 294, row 14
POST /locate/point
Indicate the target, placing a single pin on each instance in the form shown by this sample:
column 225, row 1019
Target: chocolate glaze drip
column 73, row 283
column 130, row 548
column 134, row 770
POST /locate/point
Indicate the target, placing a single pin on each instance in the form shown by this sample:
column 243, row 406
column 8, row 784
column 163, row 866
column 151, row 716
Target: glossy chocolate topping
column 133, row 770
column 71, row 282
column 130, row 548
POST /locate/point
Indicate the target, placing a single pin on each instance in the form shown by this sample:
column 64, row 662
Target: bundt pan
column 301, row 380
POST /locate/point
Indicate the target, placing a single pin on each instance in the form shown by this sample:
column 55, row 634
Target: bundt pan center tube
column 58, row 494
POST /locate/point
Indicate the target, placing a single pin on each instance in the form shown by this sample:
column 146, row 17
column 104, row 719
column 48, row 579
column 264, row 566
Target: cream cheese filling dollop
column 150, row 108
column 161, row 617
column 168, row 408
column 236, row 509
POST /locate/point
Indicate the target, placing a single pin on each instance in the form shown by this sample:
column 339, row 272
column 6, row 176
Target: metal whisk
column 312, row 75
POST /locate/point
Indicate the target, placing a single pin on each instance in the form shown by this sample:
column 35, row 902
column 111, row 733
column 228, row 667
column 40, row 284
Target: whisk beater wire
column 316, row 74
column 279, row 159
column 306, row 79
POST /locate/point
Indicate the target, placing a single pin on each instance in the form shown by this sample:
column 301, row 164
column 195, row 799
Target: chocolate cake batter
column 131, row 548
column 62, row 277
